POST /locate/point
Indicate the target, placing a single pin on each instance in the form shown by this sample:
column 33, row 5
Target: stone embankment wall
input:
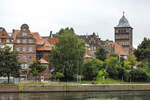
column 75, row 88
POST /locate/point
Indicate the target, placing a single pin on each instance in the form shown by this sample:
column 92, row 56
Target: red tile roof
column 52, row 41
column 15, row 32
column 118, row 49
column 43, row 61
column 39, row 40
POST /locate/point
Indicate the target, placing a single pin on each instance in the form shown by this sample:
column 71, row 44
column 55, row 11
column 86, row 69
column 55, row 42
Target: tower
column 123, row 34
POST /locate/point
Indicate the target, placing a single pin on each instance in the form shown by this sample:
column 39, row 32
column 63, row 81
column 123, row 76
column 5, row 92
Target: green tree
column 143, row 51
column 91, row 68
column 130, row 62
column 36, row 68
column 9, row 65
column 101, row 53
column 112, row 66
column 68, row 54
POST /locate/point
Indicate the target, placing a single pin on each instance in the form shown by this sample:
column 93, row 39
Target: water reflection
column 143, row 95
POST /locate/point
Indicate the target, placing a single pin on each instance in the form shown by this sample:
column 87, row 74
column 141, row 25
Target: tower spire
column 123, row 13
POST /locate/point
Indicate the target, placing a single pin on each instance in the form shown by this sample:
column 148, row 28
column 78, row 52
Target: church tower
column 123, row 34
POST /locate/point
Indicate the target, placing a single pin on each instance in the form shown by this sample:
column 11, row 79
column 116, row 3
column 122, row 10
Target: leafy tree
column 143, row 51
column 130, row 62
column 59, row 75
column 111, row 67
column 36, row 68
column 91, row 68
column 68, row 54
column 101, row 53
column 9, row 65
column 138, row 75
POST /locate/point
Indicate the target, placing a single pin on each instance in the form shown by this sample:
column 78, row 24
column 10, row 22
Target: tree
column 101, row 53
column 68, row 54
column 9, row 65
column 112, row 66
column 36, row 68
column 91, row 68
column 143, row 51
column 130, row 62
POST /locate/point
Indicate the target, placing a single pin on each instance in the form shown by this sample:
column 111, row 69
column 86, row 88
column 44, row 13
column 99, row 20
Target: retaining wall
column 75, row 88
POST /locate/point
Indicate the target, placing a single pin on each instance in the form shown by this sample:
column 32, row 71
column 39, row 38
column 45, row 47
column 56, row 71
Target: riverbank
column 75, row 88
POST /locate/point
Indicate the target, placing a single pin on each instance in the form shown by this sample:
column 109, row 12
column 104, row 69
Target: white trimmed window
column 24, row 58
column 30, row 49
column 24, row 49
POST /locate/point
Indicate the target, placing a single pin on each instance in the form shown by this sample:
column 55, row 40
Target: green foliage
column 101, row 53
column 102, row 74
column 9, row 65
column 130, row 62
column 91, row 68
column 114, row 69
column 138, row 75
column 143, row 51
column 68, row 54
column 36, row 68
column 145, row 66
column 59, row 75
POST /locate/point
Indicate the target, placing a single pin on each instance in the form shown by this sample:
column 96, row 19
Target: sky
column 85, row 16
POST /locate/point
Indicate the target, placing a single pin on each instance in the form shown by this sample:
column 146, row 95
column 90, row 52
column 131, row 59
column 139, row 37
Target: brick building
column 5, row 39
column 124, row 35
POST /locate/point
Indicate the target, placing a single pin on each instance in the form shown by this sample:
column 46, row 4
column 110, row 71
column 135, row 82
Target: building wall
column 123, row 36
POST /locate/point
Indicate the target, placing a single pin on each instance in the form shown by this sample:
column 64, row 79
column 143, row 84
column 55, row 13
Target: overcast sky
column 85, row 16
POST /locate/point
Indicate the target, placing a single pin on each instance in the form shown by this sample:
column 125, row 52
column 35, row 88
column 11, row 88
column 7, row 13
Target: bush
column 91, row 68
column 138, row 75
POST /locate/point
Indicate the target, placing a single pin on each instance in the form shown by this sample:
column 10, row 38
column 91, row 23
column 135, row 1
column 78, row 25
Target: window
column 0, row 40
column 18, row 49
column 24, row 49
column 18, row 57
column 30, row 49
column 30, row 57
column 18, row 41
column 24, row 34
column 30, row 41
column 1, row 30
column 24, row 41
column 24, row 58
column 7, row 41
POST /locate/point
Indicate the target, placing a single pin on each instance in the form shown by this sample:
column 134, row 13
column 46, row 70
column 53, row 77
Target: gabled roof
column 52, row 41
column 43, row 61
column 39, row 40
column 118, row 49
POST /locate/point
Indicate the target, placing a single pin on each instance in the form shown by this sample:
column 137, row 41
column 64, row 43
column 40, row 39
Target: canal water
column 134, row 95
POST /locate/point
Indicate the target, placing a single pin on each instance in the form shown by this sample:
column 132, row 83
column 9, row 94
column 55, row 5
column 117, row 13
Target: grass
column 51, row 83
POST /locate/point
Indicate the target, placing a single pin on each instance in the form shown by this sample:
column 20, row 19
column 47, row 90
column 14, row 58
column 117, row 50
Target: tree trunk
column 8, row 76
